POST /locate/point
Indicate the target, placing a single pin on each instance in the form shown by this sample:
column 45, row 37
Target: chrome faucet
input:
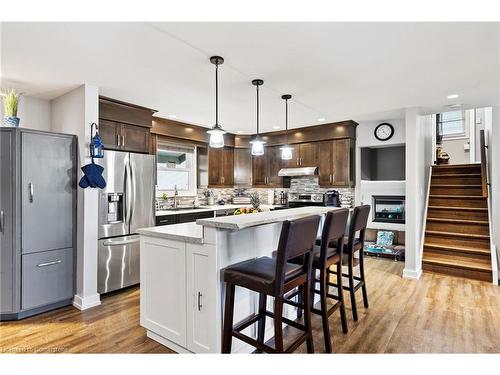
column 176, row 194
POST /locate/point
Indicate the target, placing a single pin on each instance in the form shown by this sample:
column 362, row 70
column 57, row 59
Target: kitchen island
column 182, row 290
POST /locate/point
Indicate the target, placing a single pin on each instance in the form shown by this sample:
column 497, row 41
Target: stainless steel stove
column 301, row 199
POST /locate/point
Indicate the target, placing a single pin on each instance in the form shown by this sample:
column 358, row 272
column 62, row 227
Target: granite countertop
column 189, row 232
column 237, row 222
column 217, row 207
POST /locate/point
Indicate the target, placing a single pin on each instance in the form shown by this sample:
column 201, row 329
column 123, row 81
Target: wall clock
column 384, row 131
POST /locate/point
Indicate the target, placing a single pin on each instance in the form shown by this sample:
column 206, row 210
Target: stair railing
column 487, row 194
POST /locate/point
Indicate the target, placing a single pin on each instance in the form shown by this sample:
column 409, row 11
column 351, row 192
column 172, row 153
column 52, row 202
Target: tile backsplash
column 302, row 183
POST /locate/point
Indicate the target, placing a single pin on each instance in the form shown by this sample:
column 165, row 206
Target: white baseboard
column 412, row 274
column 84, row 303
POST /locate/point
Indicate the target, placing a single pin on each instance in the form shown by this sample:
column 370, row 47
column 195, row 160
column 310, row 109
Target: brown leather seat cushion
column 259, row 274
column 357, row 245
column 331, row 257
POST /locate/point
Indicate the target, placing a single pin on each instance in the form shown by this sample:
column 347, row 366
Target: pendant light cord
column 216, row 93
column 286, row 121
column 257, row 110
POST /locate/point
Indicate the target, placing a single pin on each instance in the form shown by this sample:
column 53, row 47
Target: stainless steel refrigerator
column 125, row 205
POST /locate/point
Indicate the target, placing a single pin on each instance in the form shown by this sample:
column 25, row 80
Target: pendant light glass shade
column 257, row 146
column 286, row 150
column 216, row 133
column 257, row 143
column 216, row 136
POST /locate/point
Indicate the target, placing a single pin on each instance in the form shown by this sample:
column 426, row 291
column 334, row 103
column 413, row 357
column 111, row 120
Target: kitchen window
column 451, row 124
column 176, row 168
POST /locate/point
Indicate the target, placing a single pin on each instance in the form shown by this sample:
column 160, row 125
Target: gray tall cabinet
column 37, row 221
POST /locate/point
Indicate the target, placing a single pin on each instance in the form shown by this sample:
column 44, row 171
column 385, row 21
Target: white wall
column 418, row 161
column 492, row 127
column 73, row 113
column 34, row 113
column 366, row 189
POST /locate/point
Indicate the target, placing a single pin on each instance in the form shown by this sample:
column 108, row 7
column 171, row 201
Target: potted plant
column 10, row 105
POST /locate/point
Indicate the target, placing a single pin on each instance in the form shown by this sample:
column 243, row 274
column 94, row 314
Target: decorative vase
column 11, row 121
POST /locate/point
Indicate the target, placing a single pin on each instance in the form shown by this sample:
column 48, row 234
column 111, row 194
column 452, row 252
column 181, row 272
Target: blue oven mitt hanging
column 92, row 176
column 92, row 173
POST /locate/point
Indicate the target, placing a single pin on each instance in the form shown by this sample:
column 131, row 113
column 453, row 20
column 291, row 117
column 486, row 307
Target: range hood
column 293, row 172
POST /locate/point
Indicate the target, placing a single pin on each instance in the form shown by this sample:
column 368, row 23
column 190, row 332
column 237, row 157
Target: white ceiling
column 337, row 71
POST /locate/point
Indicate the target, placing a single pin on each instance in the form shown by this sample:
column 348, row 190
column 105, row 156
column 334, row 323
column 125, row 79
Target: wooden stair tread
column 456, row 166
column 453, row 234
column 453, row 262
column 457, row 175
column 457, row 196
column 458, row 221
column 458, row 248
column 484, row 209
column 456, row 185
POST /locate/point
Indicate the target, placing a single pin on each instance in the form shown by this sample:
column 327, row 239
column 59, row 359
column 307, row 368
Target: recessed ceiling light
column 452, row 96
column 455, row 105
column 172, row 116
column 321, row 119
column 276, row 127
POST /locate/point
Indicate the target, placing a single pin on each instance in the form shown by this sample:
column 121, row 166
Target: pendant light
column 286, row 150
column 257, row 142
column 216, row 133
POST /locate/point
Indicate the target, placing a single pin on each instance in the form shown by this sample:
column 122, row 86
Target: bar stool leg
column 351, row 288
column 262, row 314
column 324, row 310
column 340, row 293
column 278, row 326
column 300, row 300
column 307, row 318
column 362, row 276
column 227, row 336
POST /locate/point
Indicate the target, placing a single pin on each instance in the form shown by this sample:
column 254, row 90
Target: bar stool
column 324, row 256
column 354, row 244
column 274, row 277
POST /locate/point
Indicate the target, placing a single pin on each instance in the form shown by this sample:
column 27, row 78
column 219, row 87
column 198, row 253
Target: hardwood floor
column 436, row 314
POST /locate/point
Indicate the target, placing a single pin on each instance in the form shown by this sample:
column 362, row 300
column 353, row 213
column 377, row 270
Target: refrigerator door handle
column 120, row 243
column 2, row 218
column 31, row 191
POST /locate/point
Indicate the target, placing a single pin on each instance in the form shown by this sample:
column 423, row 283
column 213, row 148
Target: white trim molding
column 412, row 274
column 84, row 303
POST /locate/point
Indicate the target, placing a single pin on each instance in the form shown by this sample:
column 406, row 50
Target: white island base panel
column 182, row 292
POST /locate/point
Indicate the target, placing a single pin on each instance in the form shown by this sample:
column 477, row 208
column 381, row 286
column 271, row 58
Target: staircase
column 457, row 238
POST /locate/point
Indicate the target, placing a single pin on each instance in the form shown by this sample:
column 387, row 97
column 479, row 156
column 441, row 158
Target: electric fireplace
column 389, row 209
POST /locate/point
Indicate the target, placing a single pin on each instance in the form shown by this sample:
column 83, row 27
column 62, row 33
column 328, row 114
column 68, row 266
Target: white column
column 73, row 113
column 418, row 161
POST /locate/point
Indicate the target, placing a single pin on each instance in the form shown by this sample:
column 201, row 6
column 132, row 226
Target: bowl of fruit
column 247, row 210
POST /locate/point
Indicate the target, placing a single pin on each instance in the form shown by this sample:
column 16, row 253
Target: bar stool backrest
column 333, row 231
column 359, row 221
column 297, row 239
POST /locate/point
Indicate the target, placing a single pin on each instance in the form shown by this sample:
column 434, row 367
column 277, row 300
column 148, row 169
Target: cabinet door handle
column 1, row 221
column 333, row 178
column 123, row 141
column 298, row 161
column 199, row 301
column 49, row 263
column 118, row 140
column 31, row 192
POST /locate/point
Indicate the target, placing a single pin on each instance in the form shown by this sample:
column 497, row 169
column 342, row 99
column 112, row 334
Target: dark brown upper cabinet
column 242, row 167
column 124, row 126
column 221, row 167
column 336, row 163
column 265, row 168
column 308, row 155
